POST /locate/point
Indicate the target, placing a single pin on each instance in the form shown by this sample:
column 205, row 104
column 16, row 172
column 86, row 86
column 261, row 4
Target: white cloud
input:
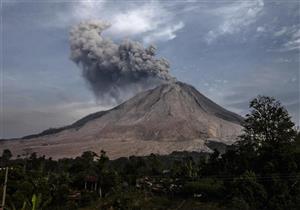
column 151, row 21
column 76, row 12
column 281, row 32
column 167, row 33
column 260, row 29
column 87, row 9
column 294, row 42
column 292, row 45
column 235, row 17
column 138, row 20
column 292, row 34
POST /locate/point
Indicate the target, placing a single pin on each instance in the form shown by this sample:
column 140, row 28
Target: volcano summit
column 170, row 117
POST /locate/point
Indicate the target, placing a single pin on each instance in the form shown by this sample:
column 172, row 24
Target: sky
column 231, row 51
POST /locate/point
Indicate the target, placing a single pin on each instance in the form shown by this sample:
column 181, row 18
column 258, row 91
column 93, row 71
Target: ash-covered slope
column 167, row 118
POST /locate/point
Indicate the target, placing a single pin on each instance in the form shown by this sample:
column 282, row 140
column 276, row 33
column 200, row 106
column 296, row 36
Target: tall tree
column 267, row 124
column 6, row 154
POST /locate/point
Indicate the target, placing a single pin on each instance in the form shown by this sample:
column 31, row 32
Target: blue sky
column 231, row 51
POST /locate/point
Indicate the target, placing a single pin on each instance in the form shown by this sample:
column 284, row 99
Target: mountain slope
column 167, row 118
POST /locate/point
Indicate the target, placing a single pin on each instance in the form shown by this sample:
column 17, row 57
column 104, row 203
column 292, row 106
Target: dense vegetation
column 261, row 171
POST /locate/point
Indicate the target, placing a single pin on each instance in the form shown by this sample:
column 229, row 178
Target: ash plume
column 115, row 71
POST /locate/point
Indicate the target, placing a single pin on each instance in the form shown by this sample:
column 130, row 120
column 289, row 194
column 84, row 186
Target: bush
column 237, row 204
column 209, row 188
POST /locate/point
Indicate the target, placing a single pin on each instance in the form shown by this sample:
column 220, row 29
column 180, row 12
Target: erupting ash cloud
column 115, row 71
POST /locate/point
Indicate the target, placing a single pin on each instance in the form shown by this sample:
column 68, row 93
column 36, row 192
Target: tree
column 267, row 124
column 248, row 189
column 6, row 154
column 88, row 156
column 102, row 160
column 268, row 148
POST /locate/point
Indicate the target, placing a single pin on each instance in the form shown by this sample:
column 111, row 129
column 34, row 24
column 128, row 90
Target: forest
column 260, row 171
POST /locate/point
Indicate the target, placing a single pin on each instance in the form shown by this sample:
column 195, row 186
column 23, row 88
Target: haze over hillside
column 170, row 117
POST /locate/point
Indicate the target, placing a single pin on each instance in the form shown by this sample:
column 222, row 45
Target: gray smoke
column 115, row 71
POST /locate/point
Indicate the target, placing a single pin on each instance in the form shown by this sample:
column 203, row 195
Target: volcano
column 170, row 117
